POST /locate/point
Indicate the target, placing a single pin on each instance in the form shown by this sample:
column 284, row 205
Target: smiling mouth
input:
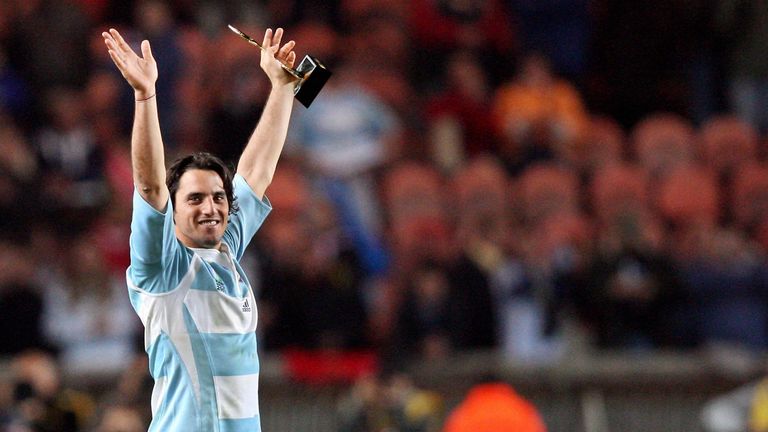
column 209, row 222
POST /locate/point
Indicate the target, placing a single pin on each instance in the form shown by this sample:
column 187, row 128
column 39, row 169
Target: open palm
column 140, row 72
column 274, row 57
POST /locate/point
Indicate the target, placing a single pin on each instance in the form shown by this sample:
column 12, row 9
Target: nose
column 208, row 206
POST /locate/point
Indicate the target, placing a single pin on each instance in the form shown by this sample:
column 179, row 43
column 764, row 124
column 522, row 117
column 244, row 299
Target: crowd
column 490, row 174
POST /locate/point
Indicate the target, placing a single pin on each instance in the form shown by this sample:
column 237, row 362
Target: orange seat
column 749, row 195
column 481, row 179
column 689, row 194
column 603, row 144
column 415, row 208
column 663, row 141
column 618, row 188
column 547, row 190
column 726, row 142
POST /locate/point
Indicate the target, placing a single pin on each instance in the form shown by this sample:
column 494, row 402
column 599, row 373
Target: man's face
column 201, row 209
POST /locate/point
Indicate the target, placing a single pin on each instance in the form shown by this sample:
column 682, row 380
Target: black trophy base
column 314, row 76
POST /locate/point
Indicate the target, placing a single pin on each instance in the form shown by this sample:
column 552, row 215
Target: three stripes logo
column 246, row 306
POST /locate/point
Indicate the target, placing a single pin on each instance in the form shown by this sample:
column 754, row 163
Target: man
column 187, row 236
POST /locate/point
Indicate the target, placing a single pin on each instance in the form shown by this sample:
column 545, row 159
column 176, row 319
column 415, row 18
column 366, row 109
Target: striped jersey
column 199, row 316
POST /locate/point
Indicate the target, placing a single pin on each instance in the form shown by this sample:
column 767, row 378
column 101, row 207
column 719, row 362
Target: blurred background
column 560, row 206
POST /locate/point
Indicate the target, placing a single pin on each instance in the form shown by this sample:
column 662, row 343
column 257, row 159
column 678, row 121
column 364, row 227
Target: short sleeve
column 154, row 247
column 243, row 225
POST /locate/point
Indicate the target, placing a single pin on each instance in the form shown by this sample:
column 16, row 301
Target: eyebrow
column 201, row 194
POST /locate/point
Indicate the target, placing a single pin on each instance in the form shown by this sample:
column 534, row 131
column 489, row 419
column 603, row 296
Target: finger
column 267, row 39
column 117, row 60
column 278, row 37
column 110, row 42
column 146, row 51
column 112, row 48
column 290, row 59
column 286, row 49
column 121, row 43
column 107, row 37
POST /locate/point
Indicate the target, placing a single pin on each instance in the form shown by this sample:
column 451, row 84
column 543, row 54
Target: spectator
column 72, row 162
column 236, row 92
column 389, row 402
column 727, row 282
column 119, row 418
column 457, row 116
column 744, row 24
column 445, row 311
column 538, row 115
column 442, row 27
column 632, row 297
column 60, row 58
column 491, row 260
column 344, row 139
column 555, row 241
column 418, row 231
column 21, row 301
column 314, row 297
column 154, row 20
column 19, row 178
column 86, row 312
column 41, row 403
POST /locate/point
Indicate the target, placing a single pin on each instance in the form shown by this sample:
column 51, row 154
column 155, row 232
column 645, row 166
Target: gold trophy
column 311, row 73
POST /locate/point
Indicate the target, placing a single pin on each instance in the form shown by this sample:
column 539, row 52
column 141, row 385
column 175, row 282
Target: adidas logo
column 246, row 306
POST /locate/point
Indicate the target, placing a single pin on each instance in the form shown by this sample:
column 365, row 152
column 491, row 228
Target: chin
column 209, row 243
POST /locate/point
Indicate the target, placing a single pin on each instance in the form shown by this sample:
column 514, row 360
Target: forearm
column 259, row 159
column 147, row 154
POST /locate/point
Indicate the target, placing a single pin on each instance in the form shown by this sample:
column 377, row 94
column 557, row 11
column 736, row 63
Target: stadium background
column 568, row 195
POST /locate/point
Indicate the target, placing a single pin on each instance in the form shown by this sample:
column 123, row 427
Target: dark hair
column 203, row 161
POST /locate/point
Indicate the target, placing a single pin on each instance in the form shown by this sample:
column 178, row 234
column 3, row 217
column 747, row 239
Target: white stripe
column 183, row 345
column 158, row 393
column 237, row 397
column 164, row 313
column 216, row 312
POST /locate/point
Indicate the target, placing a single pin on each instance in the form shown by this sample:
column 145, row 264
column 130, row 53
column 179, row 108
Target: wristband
column 146, row 99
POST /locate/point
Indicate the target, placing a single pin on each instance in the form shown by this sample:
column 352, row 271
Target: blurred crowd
column 514, row 175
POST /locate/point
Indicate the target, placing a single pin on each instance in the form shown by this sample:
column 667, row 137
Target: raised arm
column 259, row 159
column 147, row 153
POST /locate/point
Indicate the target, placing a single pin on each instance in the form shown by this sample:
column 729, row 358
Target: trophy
column 311, row 73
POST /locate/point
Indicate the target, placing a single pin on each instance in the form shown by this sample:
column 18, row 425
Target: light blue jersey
column 199, row 315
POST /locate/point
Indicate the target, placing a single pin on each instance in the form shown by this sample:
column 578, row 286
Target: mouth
column 209, row 222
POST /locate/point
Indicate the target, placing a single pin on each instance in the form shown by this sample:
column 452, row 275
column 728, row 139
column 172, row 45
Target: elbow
column 148, row 189
column 155, row 195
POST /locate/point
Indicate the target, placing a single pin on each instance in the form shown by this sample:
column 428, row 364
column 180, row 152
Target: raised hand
column 272, row 55
column 140, row 72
